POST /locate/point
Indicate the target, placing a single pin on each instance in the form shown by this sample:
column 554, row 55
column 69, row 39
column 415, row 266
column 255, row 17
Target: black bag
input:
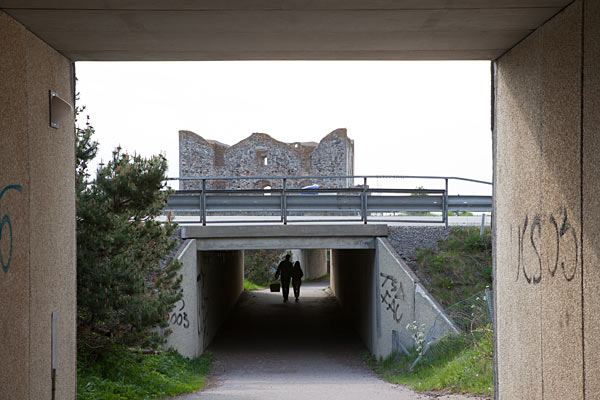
column 275, row 287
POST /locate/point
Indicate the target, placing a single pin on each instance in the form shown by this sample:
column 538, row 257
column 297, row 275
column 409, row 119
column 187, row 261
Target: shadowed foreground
column 268, row 349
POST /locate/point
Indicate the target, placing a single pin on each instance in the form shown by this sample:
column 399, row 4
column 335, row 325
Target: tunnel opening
column 321, row 329
column 372, row 290
column 336, row 301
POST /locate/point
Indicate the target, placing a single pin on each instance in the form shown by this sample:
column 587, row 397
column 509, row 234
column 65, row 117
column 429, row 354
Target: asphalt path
column 270, row 350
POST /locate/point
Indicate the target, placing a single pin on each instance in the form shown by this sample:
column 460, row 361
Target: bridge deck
column 356, row 236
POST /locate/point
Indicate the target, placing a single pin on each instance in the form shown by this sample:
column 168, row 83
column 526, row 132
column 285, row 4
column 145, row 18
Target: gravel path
column 269, row 350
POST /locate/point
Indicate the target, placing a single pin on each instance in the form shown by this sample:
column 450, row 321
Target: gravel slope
column 407, row 239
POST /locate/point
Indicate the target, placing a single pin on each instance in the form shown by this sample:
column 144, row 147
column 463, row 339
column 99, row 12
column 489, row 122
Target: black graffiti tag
column 180, row 318
column 558, row 254
column 392, row 296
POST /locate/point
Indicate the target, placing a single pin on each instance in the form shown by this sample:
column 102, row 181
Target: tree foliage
column 124, row 287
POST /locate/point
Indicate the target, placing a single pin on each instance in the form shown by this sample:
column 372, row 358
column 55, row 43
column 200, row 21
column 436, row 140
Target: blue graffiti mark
column 5, row 221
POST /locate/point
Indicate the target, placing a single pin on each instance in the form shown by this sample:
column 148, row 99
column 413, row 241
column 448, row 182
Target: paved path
column 269, row 350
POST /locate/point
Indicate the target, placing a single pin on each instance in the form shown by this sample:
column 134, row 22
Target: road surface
column 270, row 350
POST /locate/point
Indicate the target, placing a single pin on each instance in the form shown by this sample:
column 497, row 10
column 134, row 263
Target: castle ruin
column 261, row 155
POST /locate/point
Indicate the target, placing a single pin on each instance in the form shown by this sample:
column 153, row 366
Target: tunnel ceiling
column 106, row 30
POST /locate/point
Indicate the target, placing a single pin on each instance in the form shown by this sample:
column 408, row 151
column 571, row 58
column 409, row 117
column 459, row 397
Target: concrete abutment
column 546, row 208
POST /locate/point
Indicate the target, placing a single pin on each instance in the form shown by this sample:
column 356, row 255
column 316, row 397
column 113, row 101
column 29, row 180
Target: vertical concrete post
column 312, row 261
column 546, row 209
column 37, row 220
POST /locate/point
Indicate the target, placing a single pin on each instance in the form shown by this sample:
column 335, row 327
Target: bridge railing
column 285, row 202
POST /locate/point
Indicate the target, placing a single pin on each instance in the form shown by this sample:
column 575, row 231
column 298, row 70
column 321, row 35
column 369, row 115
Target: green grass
column 119, row 374
column 460, row 213
column 461, row 267
column 248, row 285
column 320, row 278
column 456, row 364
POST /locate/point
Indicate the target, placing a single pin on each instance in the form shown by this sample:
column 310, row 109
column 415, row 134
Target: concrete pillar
column 591, row 198
column 312, row 261
column 547, row 211
column 184, row 319
column 37, row 219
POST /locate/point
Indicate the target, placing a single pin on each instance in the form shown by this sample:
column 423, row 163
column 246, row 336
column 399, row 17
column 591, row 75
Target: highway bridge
column 375, row 289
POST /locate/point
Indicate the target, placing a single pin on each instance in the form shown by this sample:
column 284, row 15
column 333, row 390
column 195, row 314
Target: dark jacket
column 297, row 273
column 285, row 270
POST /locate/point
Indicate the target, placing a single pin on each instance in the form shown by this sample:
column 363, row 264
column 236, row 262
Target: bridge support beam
column 547, row 210
column 312, row 261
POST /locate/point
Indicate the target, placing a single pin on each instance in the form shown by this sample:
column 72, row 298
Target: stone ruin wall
column 199, row 157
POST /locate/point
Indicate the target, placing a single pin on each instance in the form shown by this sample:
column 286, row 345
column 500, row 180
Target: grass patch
column 458, row 364
column 460, row 268
column 320, row 278
column 248, row 285
column 120, row 374
column 460, row 214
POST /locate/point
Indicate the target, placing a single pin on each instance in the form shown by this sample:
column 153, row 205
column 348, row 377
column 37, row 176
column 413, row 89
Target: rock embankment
column 407, row 239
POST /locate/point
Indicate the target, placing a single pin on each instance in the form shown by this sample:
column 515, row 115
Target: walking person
column 285, row 271
column 297, row 275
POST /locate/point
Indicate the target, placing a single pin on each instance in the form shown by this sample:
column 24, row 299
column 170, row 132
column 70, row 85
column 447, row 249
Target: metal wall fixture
column 59, row 109
column 294, row 205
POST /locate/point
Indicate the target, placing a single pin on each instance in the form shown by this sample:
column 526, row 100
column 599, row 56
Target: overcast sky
column 406, row 118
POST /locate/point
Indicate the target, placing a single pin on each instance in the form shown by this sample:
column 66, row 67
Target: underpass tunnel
column 213, row 286
column 370, row 291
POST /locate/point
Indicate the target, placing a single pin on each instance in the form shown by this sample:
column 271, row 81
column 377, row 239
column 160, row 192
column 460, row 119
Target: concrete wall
column 546, row 210
column 212, row 284
column 402, row 299
column 184, row 319
column 381, row 295
column 353, row 283
column 312, row 261
column 37, row 218
column 220, row 282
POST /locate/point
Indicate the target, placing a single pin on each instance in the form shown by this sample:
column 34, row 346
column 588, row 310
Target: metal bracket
column 59, row 109
column 54, row 351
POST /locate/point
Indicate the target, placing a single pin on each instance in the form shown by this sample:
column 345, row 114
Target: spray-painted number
column 180, row 318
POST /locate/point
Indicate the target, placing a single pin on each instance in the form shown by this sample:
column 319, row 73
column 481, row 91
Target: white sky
column 406, row 118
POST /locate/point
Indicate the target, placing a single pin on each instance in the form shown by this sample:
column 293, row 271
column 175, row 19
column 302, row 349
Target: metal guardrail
column 354, row 204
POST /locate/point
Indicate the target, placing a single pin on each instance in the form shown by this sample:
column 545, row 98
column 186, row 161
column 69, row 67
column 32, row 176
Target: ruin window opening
column 261, row 157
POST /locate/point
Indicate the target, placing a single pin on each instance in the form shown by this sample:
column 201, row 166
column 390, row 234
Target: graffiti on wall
column 202, row 306
column 180, row 317
column 393, row 295
column 559, row 257
column 7, row 235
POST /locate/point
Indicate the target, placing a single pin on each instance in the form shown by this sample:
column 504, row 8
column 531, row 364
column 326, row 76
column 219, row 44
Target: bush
column 260, row 265
column 124, row 287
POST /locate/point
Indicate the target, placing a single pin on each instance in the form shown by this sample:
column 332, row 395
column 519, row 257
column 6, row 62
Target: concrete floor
column 271, row 350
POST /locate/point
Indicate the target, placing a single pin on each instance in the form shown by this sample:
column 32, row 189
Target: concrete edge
column 183, row 249
column 388, row 246
column 238, row 231
column 419, row 288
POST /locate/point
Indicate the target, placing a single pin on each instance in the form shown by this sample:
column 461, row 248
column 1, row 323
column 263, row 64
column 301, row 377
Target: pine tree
column 125, row 289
